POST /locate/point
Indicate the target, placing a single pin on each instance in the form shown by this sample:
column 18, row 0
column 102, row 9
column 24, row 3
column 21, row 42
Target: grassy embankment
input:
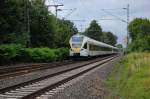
column 131, row 78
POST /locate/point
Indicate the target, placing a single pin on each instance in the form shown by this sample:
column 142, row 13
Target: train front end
column 76, row 44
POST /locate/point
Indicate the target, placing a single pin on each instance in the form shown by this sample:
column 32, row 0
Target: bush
column 16, row 53
column 8, row 53
column 62, row 53
column 41, row 54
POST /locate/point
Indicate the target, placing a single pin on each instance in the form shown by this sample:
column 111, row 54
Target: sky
column 82, row 12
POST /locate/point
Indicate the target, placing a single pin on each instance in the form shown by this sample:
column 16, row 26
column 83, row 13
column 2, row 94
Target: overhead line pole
column 128, row 36
column 128, row 17
column 56, row 8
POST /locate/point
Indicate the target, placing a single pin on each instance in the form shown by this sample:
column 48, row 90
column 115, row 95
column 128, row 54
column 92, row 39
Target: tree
column 140, row 44
column 139, row 30
column 94, row 31
column 29, row 22
column 109, row 38
column 65, row 29
column 42, row 25
column 12, row 22
column 139, row 27
column 119, row 46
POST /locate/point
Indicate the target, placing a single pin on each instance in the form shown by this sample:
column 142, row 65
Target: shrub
column 8, row 53
column 62, row 53
column 41, row 54
column 16, row 53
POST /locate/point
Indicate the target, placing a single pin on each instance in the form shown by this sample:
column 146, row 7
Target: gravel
column 88, row 86
column 11, row 81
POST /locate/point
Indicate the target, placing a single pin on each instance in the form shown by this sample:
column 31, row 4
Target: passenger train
column 84, row 46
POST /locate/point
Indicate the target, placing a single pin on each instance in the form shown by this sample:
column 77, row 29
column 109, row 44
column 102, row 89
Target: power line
column 72, row 10
column 79, row 20
column 125, row 21
column 107, row 19
column 114, row 9
column 104, row 10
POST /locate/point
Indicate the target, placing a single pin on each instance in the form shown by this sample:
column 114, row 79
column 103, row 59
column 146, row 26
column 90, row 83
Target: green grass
column 130, row 78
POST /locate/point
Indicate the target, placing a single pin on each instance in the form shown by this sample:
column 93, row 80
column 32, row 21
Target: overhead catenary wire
column 125, row 21
column 72, row 10
column 113, row 15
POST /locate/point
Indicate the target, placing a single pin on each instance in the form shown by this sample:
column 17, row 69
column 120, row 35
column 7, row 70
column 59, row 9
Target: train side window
column 85, row 46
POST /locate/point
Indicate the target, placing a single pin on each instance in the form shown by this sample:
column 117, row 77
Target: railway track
column 24, row 69
column 12, row 71
column 35, row 88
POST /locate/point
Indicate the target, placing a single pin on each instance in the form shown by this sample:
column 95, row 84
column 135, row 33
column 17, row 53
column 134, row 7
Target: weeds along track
column 34, row 88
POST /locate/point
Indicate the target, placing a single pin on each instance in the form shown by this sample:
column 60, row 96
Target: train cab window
column 85, row 46
column 77, row 39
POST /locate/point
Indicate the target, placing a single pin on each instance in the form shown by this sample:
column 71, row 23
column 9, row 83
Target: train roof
column 95, row 42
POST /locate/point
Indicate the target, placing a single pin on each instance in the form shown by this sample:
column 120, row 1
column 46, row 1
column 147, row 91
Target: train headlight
column 76, row 50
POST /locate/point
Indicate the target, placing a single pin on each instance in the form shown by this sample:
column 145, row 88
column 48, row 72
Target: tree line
column 29, row 32
column 139, row 30
column 95, row 31
column 29, row 23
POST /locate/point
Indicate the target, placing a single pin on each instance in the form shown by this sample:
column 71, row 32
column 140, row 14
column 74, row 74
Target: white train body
column 85, row 46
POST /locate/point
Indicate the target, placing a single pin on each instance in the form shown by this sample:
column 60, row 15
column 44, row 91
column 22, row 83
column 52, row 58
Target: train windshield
column 77, row 39
column 77, row 42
